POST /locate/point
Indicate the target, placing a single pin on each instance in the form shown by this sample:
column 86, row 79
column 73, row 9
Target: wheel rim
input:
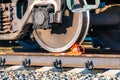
column 64, row 36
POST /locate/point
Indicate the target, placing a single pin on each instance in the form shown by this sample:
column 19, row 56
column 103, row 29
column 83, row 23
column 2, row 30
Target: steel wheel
column 63, row 36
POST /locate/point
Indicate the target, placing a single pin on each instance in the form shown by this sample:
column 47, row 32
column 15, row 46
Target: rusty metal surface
column 46, row 59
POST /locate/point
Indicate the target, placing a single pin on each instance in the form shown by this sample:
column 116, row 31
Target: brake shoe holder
column 86, row 6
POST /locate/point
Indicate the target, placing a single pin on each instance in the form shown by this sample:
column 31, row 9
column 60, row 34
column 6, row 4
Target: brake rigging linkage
column 86, row 7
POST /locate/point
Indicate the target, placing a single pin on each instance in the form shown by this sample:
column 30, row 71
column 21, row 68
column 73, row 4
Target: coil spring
column 5, row 22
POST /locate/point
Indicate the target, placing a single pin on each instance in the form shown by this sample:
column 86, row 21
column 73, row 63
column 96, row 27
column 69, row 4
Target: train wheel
column 63, row 36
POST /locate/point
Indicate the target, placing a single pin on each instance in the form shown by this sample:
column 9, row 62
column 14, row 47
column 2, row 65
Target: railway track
column 94, row 64
column 93, row 57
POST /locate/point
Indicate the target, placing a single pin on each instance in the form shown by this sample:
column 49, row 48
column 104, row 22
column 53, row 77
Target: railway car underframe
column 56, row 25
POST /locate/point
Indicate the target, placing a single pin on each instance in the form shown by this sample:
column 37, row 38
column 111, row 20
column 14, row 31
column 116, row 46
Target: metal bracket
column 89, row 65
column 26, row 62
column 2, row 61
column 58, row 65
column 86, row 6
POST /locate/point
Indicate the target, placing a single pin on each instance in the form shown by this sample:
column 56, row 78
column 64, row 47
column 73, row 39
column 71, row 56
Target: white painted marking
column 110, row 73
column 79, row 70
column 44, row 69
column 17, row 67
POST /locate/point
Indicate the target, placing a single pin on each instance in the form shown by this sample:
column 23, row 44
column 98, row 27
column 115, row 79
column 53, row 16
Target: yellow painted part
column 5, row 48
column 1, row 52
column 2, row 49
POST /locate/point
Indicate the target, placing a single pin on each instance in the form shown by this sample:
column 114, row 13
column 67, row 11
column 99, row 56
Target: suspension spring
column 5, row 18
